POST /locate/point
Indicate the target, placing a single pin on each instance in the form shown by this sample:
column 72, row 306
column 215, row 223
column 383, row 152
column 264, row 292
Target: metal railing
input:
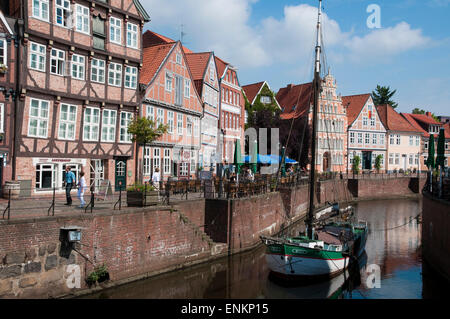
column 53, row 201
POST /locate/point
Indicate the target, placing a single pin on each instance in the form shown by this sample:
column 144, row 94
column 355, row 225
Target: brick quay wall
column 435, row 234
column 137, row 243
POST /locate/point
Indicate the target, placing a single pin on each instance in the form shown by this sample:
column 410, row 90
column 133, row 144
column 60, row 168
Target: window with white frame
column 115, row 30
column 196, row 127
column 40, row 9
column 3, row 52
column 46, row 176
column 365, row 121
column 67, row 122
column 360, row 138
column 416, row 159
column 63, row 13
column 374, row 139
column 180, row 124
column 391, row 158
column 417, row 141
column 411, row 159
column 397, row 159
column 115, row 74
column 38, row 122
column 78, row 66
column 150, row 112
column 57, row 62
column 132, row 35
column 98, row 71
column 91, row 124
column 381, row 139
column 2, row 117
column 372, row 121
column 37, row 56
column 169, row 78
column 130, row 77
column 211, row 72
column 82, row 18
column 391, row 139
column 188, row 126
column 187, row 88
column 159, row 117
column 352, row 137
column 193, row 161
column 170, row 122
column 125, row 120
column 398, row 139
column 147, row 161
column 411, row 140
column 167, row 161
column 109, row 125
column 156, row 159
column 367, row 138
column 178, row 58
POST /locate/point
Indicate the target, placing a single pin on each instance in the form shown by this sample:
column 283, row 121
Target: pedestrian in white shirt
column 81, row 188
column 156, row 178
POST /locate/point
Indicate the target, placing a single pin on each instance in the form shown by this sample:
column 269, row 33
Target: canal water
column 391, row 268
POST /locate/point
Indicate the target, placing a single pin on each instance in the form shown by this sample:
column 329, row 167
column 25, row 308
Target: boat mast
column 316, row 90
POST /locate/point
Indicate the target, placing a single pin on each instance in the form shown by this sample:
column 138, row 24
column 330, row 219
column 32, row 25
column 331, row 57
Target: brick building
column 232, row 110
column 366, row 132
column 403, row 141
column 204, row 72
column 258, row 93
column 427, row 125
column 8, row 65
column 296, row 102
column 79, row 90
column 170, row 98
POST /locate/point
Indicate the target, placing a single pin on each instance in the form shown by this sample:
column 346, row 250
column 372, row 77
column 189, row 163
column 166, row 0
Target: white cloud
column 224, row 27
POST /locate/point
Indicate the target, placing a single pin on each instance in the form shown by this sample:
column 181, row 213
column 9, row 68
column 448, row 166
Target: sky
column 273, row 40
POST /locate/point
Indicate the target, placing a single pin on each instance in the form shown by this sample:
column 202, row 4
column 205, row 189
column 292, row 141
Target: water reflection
column 393, row 244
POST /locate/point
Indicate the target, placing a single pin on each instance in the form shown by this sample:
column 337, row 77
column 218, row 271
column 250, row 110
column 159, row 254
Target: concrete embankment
column 435, row 234
column 138, row 243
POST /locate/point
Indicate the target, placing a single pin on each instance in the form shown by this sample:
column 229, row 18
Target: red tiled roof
column 295, row 100
column 151, row 38
column 393, row 121
column 413, row 122
column 252, row 90
column 354, row 105
column 153, row 57
column 221, row 66
column 198, row 62
column 426, row 119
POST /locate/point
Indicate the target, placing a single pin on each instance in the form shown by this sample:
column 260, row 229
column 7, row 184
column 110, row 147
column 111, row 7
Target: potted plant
column 378, row 163
column 140, row 195
column 355, row 165
column 3, row 68
column 99, row 275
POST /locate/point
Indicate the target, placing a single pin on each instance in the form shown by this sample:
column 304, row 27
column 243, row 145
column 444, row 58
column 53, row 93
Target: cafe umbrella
column 237, row 157
column 430, row 160
column 440, row 159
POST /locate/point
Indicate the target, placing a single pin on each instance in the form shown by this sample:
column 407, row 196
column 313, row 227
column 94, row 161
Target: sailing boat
column 329, row 246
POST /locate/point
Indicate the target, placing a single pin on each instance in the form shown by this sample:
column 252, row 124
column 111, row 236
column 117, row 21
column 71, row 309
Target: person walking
column 81, row 188
column 156, row 178
column 69, row 180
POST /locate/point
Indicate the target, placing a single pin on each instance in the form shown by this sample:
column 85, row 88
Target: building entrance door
column 121, row 173
column 367, row 160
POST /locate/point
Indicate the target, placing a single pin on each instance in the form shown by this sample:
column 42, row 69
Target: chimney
column 290, row 86
column 428, row 114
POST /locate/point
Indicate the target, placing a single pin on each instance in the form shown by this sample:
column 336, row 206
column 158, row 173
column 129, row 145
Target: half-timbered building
column 366, row 132
column 204, row 72
column 8, row 72
column 79, row 90
column 170, row 99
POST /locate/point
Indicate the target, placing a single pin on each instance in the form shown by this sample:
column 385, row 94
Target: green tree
column 355, row 165
column 382, row 95
column 144, row 132
column 378, row 162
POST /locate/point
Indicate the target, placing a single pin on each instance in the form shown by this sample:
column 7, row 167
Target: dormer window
column 266, row 99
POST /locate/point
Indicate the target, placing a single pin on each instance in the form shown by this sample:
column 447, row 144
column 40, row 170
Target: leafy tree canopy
column 382, row 95
column 145, row 131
